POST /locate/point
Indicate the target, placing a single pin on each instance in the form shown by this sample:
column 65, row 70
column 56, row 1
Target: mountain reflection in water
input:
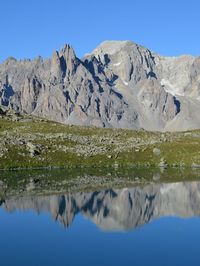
column 116, row 209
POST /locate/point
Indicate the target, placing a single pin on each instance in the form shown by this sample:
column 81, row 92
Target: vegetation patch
column 28, row 142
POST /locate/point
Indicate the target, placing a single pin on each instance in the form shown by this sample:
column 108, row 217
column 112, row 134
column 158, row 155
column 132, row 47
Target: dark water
column 157, row 224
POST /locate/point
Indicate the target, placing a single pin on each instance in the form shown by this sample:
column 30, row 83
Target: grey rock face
column 120, row 84
column 116, row 209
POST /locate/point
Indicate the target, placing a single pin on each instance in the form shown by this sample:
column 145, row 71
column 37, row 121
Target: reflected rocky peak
column 117, row 209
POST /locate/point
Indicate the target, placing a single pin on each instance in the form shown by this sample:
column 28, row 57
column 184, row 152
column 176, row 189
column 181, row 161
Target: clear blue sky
column 30, row 28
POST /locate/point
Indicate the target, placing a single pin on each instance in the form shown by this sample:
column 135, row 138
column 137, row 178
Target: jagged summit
column 119, row 84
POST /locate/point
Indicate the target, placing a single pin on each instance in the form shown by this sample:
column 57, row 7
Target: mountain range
column 119, row 84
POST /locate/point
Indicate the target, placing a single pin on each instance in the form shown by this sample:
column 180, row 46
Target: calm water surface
column 153, row 225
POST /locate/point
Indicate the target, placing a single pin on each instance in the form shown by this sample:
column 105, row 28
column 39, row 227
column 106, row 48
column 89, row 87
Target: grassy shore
column 27, row 142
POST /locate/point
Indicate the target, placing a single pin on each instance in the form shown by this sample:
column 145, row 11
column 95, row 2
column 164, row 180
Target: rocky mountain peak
column 64, row 62
column 111, row 47
column 67, row 52
column 119, row 84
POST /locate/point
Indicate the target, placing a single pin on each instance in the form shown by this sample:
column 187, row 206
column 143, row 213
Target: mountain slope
column 120, row 84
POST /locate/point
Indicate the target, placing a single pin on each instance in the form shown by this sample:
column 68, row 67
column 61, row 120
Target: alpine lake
column 100, row 217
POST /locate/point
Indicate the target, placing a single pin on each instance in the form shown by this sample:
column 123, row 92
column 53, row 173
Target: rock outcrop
column 120, row 84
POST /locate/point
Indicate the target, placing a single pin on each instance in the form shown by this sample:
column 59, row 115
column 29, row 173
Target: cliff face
column 120, row 84
column 120, row 209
